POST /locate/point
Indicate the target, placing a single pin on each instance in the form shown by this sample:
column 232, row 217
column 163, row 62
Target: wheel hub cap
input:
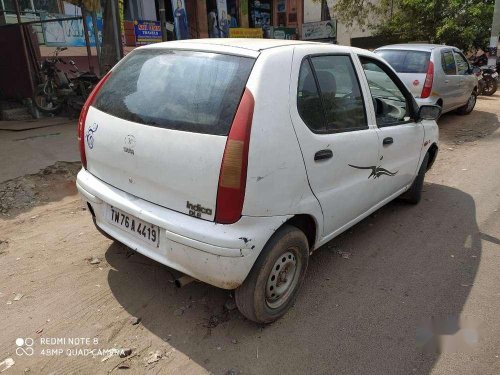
column 282, row 280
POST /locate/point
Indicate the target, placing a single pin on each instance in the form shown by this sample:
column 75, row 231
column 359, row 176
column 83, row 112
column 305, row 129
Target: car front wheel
column 414, row 193
column 270, row 289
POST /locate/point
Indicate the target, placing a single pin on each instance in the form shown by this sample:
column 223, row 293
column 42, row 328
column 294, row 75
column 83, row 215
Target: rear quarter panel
column 277, row 182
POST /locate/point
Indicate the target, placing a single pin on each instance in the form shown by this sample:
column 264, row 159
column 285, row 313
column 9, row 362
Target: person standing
column 233, row 22
column 224, row 25
column 181, row 21
column 213, row 31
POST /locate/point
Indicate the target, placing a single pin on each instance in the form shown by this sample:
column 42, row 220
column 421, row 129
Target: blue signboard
column 61, row 33
column 147, row 32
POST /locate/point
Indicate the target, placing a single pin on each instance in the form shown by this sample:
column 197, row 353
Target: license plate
column 494, row 75
column 140, row 229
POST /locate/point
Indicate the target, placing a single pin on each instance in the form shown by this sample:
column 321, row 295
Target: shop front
column 224, row 18
column 254, row 18
column 188, row 19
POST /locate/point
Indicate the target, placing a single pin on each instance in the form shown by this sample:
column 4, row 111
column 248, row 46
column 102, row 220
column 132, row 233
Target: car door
column 466, row 80
column 328, row 111
column 449, row 84
column 400, row 137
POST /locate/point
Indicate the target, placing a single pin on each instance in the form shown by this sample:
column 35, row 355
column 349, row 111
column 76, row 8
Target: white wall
column 312, row 13
column 149, row 10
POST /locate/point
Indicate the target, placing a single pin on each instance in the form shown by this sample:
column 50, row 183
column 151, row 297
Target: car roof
column 415, row 47
column 244, row 46
column 250, row 47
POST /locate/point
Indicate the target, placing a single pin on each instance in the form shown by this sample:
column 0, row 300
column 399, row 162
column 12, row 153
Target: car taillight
column 233, row 171
column 83, row 117
column 426, row 91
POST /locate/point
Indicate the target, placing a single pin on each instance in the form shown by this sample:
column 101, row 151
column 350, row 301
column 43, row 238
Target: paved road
column 419, row 293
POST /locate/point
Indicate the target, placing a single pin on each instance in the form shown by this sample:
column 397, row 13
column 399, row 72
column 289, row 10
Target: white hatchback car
column 231, row 160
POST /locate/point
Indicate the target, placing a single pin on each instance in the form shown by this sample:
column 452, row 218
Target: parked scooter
column 59, row 89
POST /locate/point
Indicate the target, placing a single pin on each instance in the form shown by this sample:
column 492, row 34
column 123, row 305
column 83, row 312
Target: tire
column 414, row 193
column 490, row 86
column 45, row 101
column 469, row 106
column 285, row 254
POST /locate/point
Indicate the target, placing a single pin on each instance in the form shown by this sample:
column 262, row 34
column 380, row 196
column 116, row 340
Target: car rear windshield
column 406, row 61
column 182, row 90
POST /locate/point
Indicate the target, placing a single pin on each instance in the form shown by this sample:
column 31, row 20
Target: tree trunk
column 108, row 49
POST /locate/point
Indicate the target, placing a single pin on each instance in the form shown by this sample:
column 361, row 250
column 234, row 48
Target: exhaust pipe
column 183, row 281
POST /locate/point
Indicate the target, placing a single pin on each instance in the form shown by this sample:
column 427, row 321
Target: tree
column 461, row 23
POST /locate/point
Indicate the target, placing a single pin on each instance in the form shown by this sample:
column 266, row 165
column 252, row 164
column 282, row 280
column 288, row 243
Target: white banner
column 319, row 30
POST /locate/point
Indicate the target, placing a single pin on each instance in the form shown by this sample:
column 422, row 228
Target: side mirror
column 429, row 112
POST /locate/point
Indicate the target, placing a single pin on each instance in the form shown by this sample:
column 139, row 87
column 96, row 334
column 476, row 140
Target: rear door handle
column 323, row 155
column 388, row 141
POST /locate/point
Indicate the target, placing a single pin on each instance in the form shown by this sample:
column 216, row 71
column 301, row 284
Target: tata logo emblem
column 129, row 144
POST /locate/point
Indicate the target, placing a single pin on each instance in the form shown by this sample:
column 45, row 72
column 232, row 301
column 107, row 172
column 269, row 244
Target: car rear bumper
column 220, row 255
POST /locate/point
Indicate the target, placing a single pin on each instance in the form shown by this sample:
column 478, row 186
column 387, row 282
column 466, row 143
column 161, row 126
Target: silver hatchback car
column 435, row 74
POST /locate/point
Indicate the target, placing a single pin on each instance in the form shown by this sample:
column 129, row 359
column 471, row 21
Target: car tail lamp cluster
column 233, row 173
column 83, row 117
column 426, row 91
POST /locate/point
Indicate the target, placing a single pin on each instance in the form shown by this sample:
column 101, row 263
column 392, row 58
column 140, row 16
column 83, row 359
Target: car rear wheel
column 414, row 194
column 273, row 283
column 469, row 106
column 490, row 86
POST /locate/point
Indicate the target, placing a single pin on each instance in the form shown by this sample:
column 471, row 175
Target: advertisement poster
column 288, row 33
column 222, row 18
column 68, row 33
column 244, row 32
column 147, row 32
column 180, row 19
column 319, row 30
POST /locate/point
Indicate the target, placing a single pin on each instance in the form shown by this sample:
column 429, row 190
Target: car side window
column 448, row 63
column 462, row 64
column 389, row 102
column 340, row 92
column 308, row 99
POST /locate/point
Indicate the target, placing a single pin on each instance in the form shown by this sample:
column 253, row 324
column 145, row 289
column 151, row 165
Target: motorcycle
column 58, row 88
column 487, row 75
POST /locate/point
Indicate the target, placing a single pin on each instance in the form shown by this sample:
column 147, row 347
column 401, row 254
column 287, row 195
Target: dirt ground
column 409, row 290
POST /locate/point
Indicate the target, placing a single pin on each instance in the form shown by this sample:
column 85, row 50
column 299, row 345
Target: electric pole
column 495, row 31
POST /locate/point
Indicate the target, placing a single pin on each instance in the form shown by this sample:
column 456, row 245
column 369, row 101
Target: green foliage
column 462, row 23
